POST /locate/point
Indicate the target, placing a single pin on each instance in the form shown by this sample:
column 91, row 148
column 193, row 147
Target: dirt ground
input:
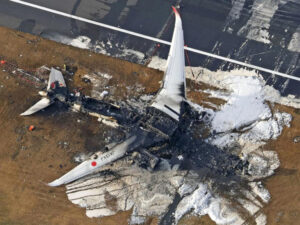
column 30, row 159
column 284, row 207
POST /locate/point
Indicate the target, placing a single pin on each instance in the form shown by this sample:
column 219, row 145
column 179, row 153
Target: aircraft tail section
column 172, row 92
column 56, row 88
column 55, row 78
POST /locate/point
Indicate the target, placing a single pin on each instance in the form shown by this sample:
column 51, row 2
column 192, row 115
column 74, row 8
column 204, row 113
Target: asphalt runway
column 216, row 26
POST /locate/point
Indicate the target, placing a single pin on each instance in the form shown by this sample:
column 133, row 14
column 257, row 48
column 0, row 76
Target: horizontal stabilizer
column 56, row 76
column 43, row 103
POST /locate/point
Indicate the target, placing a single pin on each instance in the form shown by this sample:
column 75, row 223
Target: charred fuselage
column 159, row 136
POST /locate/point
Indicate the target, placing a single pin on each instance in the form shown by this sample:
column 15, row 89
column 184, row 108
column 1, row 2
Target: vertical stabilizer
column 172, row 92
column 55, row 76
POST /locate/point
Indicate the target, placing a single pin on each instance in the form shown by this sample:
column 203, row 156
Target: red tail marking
column 175, row 11
column 52, row 85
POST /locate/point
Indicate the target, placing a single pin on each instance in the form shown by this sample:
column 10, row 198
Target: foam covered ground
column 241, row 126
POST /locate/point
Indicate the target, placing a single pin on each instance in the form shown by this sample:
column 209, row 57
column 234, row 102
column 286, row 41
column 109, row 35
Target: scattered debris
column 99, row 82
column 104, row 93
column 80, row 157
column 31, row 128
column 43, row 73
column 105, row 75
column 71, row 70
column 297, row 139
column 86, row 80
column 63, row 144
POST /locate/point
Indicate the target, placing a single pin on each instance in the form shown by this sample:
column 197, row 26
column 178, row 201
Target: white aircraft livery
column 164, row 122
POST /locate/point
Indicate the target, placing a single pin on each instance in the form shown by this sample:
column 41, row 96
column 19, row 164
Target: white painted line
column 91, row 21
column 155, row 39
column 243, row 64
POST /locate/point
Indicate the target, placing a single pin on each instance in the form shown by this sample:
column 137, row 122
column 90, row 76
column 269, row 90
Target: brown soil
column 284, row 186
column 29, row 159
column 194, row 220
column 195, row 94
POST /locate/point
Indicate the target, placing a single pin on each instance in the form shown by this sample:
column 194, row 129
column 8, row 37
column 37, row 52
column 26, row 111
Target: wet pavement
column 239, row 30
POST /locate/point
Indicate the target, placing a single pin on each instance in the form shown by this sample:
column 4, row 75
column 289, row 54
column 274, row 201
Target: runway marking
column 155, row 39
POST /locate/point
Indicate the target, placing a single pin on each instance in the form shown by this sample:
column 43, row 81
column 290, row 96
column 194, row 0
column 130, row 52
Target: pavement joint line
column 155, row 39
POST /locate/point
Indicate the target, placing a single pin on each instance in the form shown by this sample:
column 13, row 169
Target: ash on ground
column 219, row 173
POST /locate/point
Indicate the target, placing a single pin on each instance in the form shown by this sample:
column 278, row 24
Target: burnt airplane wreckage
column 169, row 128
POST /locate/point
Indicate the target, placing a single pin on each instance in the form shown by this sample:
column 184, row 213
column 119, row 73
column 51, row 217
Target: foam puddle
column 241, row 126
column 246, row 121
column 216, row 79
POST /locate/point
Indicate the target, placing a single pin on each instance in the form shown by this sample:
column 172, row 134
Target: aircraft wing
column 95, row 163
column 168, row 100
column 43, row 103
column 56, row 75
column 172, row 93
